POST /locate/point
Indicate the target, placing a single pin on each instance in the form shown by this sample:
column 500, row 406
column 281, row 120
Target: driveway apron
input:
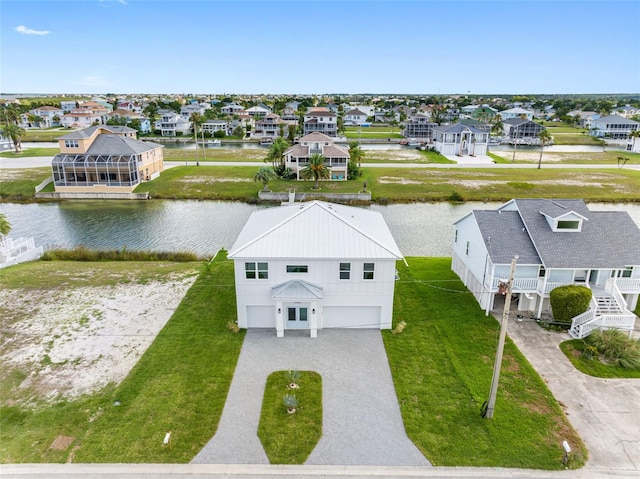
column 362, row 424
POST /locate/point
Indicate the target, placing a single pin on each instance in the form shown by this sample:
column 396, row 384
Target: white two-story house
column 172, row 124
column 336, row 157
column 459, row 139
column 321, row 120
column 558, row 242
column 313, row 266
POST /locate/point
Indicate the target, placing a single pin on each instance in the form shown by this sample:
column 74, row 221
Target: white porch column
column 279, row 320
column 540, row 301
column 313, row 320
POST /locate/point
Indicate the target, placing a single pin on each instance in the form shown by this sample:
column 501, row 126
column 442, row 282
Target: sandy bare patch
column 74, row 341
column 398, row 181
column 61, row 443
column 394, row 155
column 213, row 179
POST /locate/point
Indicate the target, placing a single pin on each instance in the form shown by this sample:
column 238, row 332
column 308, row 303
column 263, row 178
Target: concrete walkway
column 605, row 412
column 362, row 424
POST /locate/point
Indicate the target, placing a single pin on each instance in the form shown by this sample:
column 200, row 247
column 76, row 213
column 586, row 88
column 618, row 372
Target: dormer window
column 568, row 225
column 564, row 222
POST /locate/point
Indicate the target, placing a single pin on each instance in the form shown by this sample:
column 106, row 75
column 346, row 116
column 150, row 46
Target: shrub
column 233, row 327
column 569, row 301
column 82, row 253
column 456, row 197
column 399, row 328
column 290, row 401
column 616, row 347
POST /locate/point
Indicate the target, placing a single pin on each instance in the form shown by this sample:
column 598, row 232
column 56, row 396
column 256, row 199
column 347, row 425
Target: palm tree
column 497, row 126
column 197, row 120
column 356, row 154
column 5, row 226
column 545, row 137
column 16, row 133
column 276, row 152
column 633, row 136
column 315, row 169
column 265, row 174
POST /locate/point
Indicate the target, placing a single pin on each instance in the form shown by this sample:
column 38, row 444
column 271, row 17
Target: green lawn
column 290, row 438
column 19, row 184
column 442, row 365
column 573, row 348
column 31, row 152
column 45, row 135
column 216, row 154
column 180, row 384
column 573, row 158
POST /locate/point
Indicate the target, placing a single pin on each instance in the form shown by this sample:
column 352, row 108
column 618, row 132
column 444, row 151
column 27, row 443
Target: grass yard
column 180, row 383
column 19, row 184
column 566, row 135
column 45, row 135
column 290, row 438
column 573, row 349
column 31, row 152
column 216, row 154
column 574, row 158
column 442, row 365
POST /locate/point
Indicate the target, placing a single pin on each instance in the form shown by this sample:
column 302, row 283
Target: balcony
column 628, row 285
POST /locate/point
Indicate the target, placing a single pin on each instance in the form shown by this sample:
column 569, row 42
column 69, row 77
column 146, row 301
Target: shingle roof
column 504, row 236
column 457, row 128
column 355, row 111
column 608, row 239
column 616, row 119
column 315, row 230
column 316, row 136
column 117, row 145
column 87, row 132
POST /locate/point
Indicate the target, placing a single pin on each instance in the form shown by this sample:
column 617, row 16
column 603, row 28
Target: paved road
column 362, row 424
column 43, row 161
column 235, row 471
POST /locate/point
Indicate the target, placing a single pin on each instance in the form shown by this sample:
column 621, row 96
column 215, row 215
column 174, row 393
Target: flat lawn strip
column 31, row 152
column 20, row 183
column 44, row 135
column 573, row 158
column 573, row 349
column 371, row 135
column 180, row 384
column 442, row 365
column 497, row 184
column 27, row 433
column 216, row 154
column 408, row 184
column 290, row 438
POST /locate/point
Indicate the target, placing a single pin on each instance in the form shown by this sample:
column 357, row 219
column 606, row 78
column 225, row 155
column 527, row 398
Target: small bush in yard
column 616, row 347
column 569, row 301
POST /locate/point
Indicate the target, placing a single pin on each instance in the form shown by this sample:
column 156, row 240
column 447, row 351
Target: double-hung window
column 345, row 270
column 368, row 270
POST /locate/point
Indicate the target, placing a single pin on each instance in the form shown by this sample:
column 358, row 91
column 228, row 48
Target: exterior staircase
column 607, row 310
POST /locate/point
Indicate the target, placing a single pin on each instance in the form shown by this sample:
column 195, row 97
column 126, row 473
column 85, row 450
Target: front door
column 297, row 317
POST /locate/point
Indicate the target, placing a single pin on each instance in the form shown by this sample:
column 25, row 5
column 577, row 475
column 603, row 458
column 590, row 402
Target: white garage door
column 261, row 317
column 351, row 317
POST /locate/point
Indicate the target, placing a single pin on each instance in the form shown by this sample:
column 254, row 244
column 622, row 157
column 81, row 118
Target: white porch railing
column 519, row 284
column 548, row 287
column 628, row 285
column 612, row 288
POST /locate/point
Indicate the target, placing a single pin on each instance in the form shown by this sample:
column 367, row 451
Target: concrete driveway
column 361, row 417
column 605, row 412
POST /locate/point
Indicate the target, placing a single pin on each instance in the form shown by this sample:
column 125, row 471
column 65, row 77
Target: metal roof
column 316, row 230
column 297, row 289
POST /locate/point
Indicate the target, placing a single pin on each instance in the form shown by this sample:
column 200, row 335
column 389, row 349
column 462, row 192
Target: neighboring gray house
column 419, row 126
column 321, row 120
column 521, row 131
column 460, row 139
column 558, row 242
column 613, row 126
column 355, row 117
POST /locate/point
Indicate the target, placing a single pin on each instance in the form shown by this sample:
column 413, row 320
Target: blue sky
column 424, row 47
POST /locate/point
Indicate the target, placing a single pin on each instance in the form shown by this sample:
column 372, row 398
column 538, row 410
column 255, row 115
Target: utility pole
column 503, row 333
column 514, row 143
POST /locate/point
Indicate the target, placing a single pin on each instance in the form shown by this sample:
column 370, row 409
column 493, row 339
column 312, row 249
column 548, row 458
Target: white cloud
column 121, row 2
column 94, row 80
column 29, row 31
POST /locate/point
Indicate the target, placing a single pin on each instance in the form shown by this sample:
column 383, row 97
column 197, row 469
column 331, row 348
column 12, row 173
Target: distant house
column 45, row 117
column 187, row 110
column 355, row 117
column 172, row 124
column 289, row 113
column 89, row 113
column 484, row 113
column 128, row 116
column 521, row 131
column 516, row 113
column 258, row 111
column 613, row 126
column 270, row 126
column 418, row 126
column 104, row 159
column 320, row 120
column 129, row 106
column 460, row 139
column 385, row 116
column 68, row 105
column 314, row 266
column 5, row 143
column 627, row 111
column 232, row 109
column 211, row 126
column 558, row 242
column 336, row 157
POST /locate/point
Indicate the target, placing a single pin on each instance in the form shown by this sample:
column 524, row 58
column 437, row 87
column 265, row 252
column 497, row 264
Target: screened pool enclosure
column 91, row 170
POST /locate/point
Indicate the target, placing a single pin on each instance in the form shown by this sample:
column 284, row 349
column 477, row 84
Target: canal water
column 420, row 229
